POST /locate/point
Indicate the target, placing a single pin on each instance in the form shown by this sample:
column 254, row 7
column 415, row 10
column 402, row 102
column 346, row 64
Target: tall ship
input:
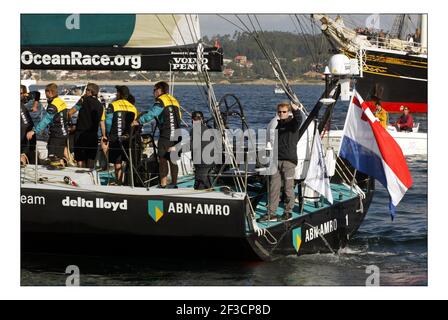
column 393, row 65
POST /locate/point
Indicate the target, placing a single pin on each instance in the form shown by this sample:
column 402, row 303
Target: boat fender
column 330, row 161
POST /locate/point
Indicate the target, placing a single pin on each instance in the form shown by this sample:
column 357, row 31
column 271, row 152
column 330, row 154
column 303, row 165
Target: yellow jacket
column 383, row 116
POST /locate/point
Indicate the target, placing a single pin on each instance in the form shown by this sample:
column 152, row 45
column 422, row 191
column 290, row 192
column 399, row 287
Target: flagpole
column 350, row 106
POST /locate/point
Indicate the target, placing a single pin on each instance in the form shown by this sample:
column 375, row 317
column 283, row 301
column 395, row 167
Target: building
column 228, row 72
column 240, row 60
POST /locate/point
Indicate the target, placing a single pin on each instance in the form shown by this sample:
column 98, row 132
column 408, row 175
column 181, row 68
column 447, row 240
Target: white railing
column 397, row 44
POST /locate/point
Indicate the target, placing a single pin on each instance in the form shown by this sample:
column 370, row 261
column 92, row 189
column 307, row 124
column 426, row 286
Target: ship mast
column 424, row 32
column 397, row 28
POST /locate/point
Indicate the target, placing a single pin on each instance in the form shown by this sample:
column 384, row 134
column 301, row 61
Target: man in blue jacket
column 166, row 112
column 56, row 119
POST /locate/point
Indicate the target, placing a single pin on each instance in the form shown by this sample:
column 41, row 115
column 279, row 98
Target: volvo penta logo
column 155, row 209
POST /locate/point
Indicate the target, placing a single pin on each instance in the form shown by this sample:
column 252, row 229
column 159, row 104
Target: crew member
column 56, row 118
column 288, row 137
column 381, row 114
column 91, row 116
column 119, row 117
column 166, row 111
column 27, row 147
column 201, row 168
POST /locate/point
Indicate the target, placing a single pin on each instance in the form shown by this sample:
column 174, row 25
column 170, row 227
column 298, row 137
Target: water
column 398, row 248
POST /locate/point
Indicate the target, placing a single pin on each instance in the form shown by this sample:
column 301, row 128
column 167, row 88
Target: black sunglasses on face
column 282, row 111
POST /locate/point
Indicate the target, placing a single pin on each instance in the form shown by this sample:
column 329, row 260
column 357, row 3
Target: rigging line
column 306, row 32
column 189, row 29
column 231, row 22
column 304, row 37
column 274, row 63
column 266, row 54
column 196, row 32
column 253, row 26
column 242, row 22
column 272, row 55
column 260, row 44
column 217, row 115
column 178, row 29
column 193, row 33
column 313, row 28
column 163, row 25
column 178, row 49
column 177, row 45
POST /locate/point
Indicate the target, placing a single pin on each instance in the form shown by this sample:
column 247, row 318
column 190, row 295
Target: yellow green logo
column 297, row 238
column 155, row 209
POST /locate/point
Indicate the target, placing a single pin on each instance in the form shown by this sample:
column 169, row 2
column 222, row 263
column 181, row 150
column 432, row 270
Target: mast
column 424, row 32
column 397, row 28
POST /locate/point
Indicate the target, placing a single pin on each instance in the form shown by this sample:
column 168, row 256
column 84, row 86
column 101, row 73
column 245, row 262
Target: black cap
column 123, row 90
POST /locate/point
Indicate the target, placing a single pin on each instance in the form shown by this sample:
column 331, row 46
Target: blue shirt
column 47, row 119
column 153, row 113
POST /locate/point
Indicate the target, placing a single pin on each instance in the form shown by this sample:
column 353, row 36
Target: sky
column 213, row 24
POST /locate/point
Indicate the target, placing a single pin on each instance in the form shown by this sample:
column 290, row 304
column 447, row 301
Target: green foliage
column 296, row 53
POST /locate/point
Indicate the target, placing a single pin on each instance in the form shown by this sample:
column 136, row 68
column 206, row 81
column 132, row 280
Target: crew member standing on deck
column 119, row 117
column 91, row 116
column 166, row 111
column 288, row 137
column 27, row 147
column 197, row 144
column 56, row 118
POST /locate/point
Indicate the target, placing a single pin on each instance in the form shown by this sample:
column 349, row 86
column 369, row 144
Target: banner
column 119, row 58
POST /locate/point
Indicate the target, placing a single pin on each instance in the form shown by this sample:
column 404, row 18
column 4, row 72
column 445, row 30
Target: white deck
column 411, row 143
column 87, row 181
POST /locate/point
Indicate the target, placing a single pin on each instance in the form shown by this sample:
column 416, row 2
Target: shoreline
column 182, row 83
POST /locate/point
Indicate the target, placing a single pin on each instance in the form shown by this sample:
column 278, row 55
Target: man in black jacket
column 197, row 144
column 286, row 147
column 91, row 116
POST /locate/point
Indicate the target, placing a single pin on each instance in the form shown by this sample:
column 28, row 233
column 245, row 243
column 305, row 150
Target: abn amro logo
column 155, row 209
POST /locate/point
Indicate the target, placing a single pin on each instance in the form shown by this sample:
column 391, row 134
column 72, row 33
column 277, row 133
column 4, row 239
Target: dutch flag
column 372, row 150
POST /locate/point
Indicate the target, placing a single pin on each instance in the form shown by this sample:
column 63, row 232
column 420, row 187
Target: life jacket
column 171, row 116
column 59, row 125
column 124, row 113
column 26, row 123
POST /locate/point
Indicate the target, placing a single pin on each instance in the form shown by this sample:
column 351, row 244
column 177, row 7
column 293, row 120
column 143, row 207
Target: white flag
column 317, row 177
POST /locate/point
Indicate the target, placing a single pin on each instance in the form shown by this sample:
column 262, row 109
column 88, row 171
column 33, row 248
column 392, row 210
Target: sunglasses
column 279, row 112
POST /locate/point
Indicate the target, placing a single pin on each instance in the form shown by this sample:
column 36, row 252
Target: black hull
column 348, row 215
column 68, row 230
column 397, row 79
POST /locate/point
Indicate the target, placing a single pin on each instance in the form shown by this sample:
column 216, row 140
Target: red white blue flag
column 372, row 150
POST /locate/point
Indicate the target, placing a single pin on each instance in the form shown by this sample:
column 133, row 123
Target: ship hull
column 397, row 79
column 64, row 221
